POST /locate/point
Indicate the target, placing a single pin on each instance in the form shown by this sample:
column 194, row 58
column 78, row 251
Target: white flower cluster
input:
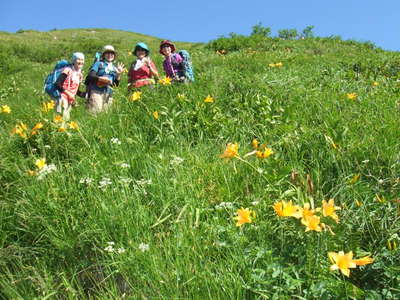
column 115, row 141
column 125, row 165
column 176, row 161
column 144, row 247
column 224, row 205
column 143, row 182
column 47, row 169
column 125, row 180
column 110, row 248
column 104, row 182
column 86, row 180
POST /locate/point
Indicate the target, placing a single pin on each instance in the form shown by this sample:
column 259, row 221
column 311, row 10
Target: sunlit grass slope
column 144, row 201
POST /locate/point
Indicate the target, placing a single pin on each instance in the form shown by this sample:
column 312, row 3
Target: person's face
column 109, row 56
column 78, row 64
column 140, row 53
column 166, row 50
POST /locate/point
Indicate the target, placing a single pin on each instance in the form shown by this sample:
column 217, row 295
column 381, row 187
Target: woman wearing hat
column 102, row 76
column 143, row 71
column 173, row 62
column 68, row 84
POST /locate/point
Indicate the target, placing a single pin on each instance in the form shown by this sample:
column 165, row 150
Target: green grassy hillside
column 137, row 202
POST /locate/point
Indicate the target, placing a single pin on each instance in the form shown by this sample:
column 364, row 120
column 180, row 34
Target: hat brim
column 167, row 44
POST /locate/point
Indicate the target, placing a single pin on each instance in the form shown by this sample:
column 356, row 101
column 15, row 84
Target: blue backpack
column 96, row 59
column 187, row 65
column 50, row 83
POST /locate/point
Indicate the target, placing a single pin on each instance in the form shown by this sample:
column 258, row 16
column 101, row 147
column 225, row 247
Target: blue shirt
column 107, row 69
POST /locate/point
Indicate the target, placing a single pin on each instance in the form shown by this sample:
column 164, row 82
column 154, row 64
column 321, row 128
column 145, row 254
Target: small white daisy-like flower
column 120, row 250
column 125, row 165
column 254, row 203
column 144, row 247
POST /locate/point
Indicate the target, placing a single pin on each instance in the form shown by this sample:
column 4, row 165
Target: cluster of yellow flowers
column 261, row 151
column 275, row 65
column 307, row 214
column 5, row 109
column 340, row 261
column 165, row 81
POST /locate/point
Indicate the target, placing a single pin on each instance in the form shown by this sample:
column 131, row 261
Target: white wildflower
column 47, row 169
column 176, row 161
column 144, row 247
column 86, row 180
column 104, row 182
column 222, row 205
column 120, row 250
column 125, row 180
column 143, row 182
column 125, row 165
column 254, row 203
column 115, row 141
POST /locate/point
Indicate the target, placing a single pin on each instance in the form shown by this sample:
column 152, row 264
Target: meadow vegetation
column 183, row 191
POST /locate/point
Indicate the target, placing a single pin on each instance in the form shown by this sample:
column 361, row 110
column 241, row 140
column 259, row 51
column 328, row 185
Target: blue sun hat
column 77, row 55
column 143, row 46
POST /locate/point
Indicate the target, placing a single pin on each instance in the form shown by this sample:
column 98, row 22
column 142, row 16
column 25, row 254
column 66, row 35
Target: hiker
column 177, row 66
column 68, row 85
column 102, row 76
column 143, row 71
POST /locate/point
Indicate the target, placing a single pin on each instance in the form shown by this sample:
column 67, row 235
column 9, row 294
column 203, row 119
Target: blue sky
column 204, row 20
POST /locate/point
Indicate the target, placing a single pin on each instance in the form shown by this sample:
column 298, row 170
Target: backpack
column 50, row 82
column 97, row 58
column 187, row 64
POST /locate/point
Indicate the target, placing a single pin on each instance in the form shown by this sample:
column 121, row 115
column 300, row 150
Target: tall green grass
column 136, row 181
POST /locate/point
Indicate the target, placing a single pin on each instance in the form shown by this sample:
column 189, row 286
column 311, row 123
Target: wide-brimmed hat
column 109, row 48
column 167, row 43
column 141, row 46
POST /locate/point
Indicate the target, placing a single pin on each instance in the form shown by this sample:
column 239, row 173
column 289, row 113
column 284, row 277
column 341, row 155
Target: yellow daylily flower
column 155, row 115
column 73, row 125
column 287, row 209
column 5, row 109
column 135, row 96
column 165, row 81
column 231, row 150
column 244, row 215
column 37, row 126
column 57, row 119
column 352, row 96
column 209, row 99
column 342, row 262
column 328, row 209
column 264, row 154
column 375, row 83
column 312, row 223
column 363, row 261
column 255, row 143
column 40, row 163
